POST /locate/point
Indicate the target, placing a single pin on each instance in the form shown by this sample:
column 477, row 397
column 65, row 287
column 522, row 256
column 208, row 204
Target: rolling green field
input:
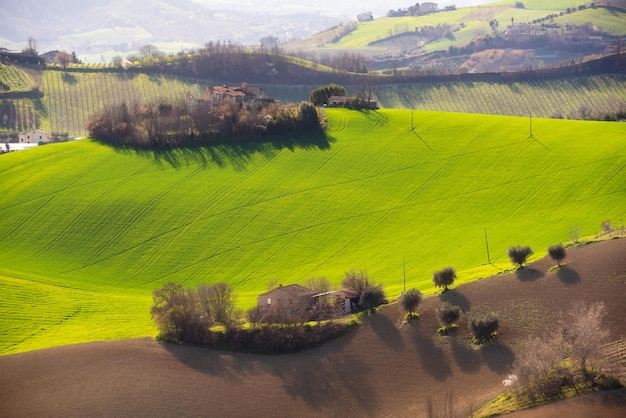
column 88, row 231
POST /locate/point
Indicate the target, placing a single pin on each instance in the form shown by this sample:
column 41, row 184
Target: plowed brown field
column 382, row 369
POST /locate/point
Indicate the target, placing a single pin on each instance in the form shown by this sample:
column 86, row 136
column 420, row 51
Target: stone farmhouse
column 296, row 298
column 34, row 136
column 243, row 93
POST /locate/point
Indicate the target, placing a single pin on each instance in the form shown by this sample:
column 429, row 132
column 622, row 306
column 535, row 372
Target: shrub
column 519, row 255
column 409, row 300
column 483, row 327
column 557, row 253
column 448, row 314
column 372, row 297
column 444, row 278
column 320, row 95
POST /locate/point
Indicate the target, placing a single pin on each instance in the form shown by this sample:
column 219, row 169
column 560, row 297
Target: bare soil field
column 383, row 369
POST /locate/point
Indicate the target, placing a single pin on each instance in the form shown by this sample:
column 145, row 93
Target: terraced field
column 89, row 231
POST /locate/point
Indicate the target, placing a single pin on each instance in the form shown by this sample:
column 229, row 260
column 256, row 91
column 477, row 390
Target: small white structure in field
column 34, row 136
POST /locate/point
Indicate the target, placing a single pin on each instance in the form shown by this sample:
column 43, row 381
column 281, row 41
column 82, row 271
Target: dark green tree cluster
column 320, row 95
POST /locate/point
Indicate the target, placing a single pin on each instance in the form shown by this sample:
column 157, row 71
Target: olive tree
column 448, row 314
column 519, row 254
column 444, row 277
column 557, row 253
column 372, row 297
column 483, row 327
column 409, row 300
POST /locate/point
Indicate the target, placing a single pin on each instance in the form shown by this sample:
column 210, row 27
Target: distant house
column 34, row 137
column 243, row 93
column 50, row 56
column 429, row 7
column 345, row 299
column 339, row 101
column 365, row 17
column 291, row 297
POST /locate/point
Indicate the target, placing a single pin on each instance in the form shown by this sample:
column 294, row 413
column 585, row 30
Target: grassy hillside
column 88, row 231
column 378, row 38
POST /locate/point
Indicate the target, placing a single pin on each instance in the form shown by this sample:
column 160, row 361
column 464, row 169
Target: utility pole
column 487, row 245
column 531, row 124
column 404, row 276
column 412, row 118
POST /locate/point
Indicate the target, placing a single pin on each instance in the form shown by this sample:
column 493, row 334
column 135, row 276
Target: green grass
column 88, row 231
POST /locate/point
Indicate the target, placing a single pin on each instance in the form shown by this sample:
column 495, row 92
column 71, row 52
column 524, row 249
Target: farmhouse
column 338, row 101
column 297, row 298
column 243, row 93
column 365, row 17
column 34, row 137
column 288, row 297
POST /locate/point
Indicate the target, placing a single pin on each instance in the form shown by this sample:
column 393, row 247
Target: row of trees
column 163, row 123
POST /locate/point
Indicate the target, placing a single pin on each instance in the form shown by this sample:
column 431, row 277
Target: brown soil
column 384, row 368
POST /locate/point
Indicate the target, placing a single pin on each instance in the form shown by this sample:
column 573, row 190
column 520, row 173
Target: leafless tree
column 583, row 335
column 63, row 59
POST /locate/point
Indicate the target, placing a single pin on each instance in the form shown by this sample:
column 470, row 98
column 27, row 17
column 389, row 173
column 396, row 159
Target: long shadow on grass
column 234, row 154
column 528, row 274
column 567, row 275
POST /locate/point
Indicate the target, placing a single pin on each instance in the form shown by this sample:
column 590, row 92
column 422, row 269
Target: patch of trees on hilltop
column 157, row 124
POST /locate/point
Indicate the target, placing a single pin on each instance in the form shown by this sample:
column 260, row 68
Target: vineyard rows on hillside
column 14, row 80
column 73, row 97
column 574, row 98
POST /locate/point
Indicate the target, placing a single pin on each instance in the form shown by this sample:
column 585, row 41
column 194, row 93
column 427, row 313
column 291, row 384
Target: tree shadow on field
column 466, row 358
column 498, row 357
column 330, row 384
column 225, row 365
column 528, row 274
column 386, row 330
column 433, row 358
column 456, row 298
column 568, row 276
column 69, row 78
column 236, row 154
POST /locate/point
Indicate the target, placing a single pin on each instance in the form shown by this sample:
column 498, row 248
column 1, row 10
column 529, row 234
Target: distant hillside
column 435, row 43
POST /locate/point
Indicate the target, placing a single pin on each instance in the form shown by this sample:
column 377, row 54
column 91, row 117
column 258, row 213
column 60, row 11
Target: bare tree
column 583, row 335
column 63, row 59
column 218, row 302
